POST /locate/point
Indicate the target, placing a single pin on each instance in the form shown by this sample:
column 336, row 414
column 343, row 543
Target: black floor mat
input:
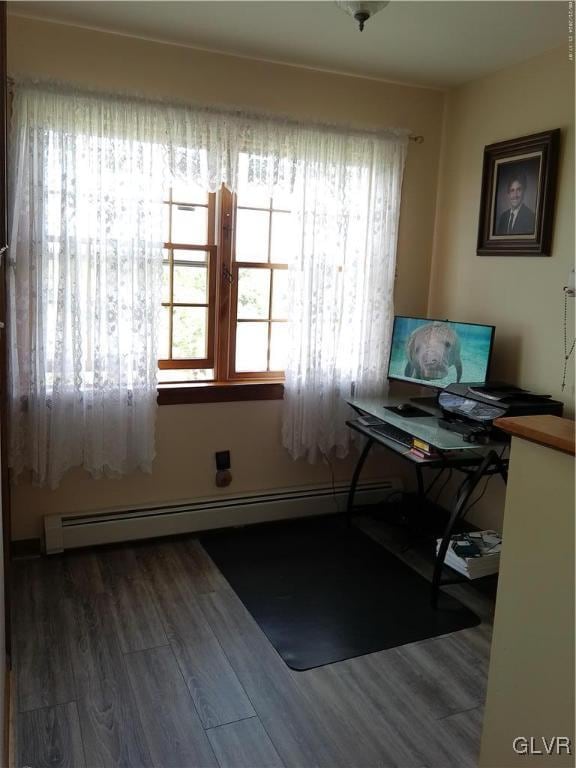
column 323, row 592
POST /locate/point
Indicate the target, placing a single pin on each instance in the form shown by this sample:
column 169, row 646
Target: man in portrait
column 518, row 219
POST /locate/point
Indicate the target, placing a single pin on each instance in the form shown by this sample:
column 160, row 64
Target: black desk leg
column 355, row 478
column 458, row 511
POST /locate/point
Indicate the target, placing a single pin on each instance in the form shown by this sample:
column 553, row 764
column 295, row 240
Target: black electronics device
column 407, row 411
column 471, row 409
column 471, row 433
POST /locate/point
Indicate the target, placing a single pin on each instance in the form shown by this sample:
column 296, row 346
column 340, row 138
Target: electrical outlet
column 223, row 474
column 222, row 460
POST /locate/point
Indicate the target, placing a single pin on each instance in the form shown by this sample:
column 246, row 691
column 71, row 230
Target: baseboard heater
column 84, row 530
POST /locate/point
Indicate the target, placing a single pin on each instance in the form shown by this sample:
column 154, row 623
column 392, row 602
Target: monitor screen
column 436, row 353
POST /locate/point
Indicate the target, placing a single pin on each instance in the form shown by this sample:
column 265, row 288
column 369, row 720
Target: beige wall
column 531, row 680
column 521, row 296
column 188, row 435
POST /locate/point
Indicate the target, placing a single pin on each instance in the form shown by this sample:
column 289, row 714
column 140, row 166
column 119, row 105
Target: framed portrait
column 518, row 195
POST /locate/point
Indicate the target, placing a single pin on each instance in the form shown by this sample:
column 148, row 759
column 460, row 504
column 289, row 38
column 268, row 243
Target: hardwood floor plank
column 117, row 562
column 296, row 727
column 179, row 560
column 43, row 672
column 213, row 578
column 213, row 685
column 369, row 716
column 441, row 673
column 382, row 710
column 82, row 574
column 111, row 727
column 244, row 745
column 463, row 731
column 174, row 734
column 136, row 616
column 50, row 738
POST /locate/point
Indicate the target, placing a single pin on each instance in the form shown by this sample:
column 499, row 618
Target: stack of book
column 422, row 449
column 474, row 554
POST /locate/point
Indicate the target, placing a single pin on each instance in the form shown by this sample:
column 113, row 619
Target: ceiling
column 440, row 44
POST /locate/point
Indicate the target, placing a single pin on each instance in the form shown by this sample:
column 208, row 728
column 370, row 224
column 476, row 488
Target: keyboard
column 394, row 433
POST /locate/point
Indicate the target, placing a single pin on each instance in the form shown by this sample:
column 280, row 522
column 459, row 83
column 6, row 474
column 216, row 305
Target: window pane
column 184, row 192
column 189, row 332
column 251, row 346
column 164, row 334
column 190, row 284
column 185, row 374
column 278, row 346
column 166, row 282
column 282, row 246
column 279, row 294
column 252, row 235
column 253, row 196
column 283, row 199
column 253, row 293
column 181, row 254
column 250, row 194
column 189, row 224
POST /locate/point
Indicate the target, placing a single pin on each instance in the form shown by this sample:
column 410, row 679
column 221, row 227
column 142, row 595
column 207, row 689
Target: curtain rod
column 13, row 80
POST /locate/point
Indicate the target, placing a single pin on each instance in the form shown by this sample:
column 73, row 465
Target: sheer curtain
column 341, row 286
column 88, row 175
column 84, row 286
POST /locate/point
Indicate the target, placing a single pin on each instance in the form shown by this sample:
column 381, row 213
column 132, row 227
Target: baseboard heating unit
column 109, row 526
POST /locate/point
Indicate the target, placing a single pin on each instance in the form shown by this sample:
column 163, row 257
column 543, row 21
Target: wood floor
column 142, row 655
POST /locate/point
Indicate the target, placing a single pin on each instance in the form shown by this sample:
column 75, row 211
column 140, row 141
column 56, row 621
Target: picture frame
column 518, row 196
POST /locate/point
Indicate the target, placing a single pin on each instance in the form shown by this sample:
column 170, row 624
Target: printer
column 471, row 409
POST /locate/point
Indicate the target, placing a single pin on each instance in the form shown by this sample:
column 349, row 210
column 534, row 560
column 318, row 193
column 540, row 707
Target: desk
column 475, row 461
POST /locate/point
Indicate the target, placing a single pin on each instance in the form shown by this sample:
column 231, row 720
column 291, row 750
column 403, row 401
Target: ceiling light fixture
column 361, row 12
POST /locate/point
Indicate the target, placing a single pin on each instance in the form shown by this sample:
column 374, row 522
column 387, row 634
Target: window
column 188, row 325
column 224, row 308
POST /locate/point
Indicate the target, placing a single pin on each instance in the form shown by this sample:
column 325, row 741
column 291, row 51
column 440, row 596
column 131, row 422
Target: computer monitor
column 435, row 353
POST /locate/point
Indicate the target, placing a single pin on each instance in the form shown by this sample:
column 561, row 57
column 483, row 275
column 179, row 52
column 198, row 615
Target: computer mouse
column 404, row 407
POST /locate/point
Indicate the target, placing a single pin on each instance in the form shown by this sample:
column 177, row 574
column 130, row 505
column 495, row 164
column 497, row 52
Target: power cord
column 472, row 504
column 444, row 484
column 333, row 483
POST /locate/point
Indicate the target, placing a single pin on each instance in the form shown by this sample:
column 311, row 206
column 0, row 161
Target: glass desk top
column 423, row 427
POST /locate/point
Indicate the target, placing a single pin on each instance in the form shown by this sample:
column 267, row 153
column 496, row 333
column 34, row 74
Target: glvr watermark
column 540, row 745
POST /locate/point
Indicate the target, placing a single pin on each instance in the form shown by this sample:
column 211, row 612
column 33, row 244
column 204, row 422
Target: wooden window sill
column 213, row 392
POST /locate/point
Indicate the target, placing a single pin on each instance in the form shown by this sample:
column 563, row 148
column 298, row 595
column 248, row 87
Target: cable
column 434, row 481
column 444, row 484
column 472, row 504
column 327, row 460
column 469, row 507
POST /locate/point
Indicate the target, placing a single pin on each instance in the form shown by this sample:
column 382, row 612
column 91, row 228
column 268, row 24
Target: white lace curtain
column 84, row 285
column 87, row 179
column 341, row 288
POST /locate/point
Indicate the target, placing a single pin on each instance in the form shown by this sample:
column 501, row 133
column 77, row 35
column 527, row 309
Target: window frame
column 228, row 384
column 235, row 267
column 211, row 249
